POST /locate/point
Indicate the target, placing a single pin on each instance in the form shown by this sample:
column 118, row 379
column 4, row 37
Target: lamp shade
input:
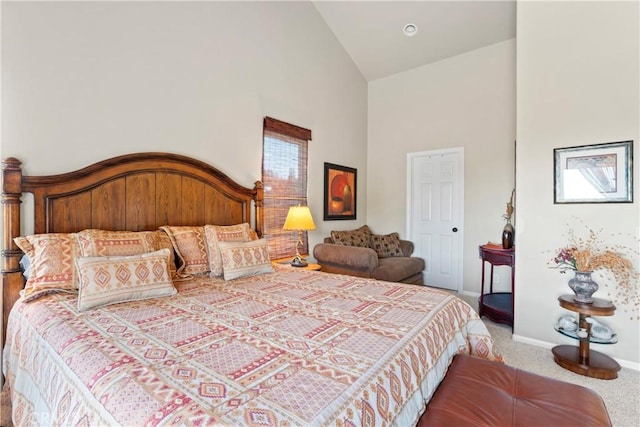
column 299, row 218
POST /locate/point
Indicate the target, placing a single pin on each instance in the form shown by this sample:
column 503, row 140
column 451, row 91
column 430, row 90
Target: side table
column 287, row 262
column 580, row 359
column 497, row 306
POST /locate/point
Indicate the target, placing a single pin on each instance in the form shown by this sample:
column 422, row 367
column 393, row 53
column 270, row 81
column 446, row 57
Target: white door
column 435, row 214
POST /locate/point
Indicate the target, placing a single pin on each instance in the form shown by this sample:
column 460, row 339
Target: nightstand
column 287, row 263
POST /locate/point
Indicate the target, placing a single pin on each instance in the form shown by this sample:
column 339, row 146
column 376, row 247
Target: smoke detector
column 410, row 30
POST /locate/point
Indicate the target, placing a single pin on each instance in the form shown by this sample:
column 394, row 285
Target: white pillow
column 240, row 259
column 108, row 280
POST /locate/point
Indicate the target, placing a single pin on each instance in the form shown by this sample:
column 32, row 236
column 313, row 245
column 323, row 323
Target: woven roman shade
column 284, row 175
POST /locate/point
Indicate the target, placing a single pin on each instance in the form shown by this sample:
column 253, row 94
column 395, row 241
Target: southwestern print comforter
column 280, row 349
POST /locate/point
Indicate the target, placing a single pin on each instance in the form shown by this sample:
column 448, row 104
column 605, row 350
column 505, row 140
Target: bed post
column 12, row 280
column 259, row 203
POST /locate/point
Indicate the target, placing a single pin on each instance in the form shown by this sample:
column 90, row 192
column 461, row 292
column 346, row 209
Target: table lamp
column 299, row 219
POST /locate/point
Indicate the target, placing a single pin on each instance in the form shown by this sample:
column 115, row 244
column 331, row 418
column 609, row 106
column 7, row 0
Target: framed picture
column 339, row 192
column 601, row 173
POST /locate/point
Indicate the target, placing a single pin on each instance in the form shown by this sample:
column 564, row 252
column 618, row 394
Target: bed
column 264, row 345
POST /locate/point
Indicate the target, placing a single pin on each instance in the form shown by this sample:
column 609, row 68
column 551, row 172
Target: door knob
column 454, row 229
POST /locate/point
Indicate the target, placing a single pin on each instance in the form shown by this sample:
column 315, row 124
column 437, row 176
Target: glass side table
column 581, row 359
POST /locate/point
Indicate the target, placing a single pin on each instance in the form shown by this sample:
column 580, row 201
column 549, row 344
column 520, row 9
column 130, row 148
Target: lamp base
column 298, row 261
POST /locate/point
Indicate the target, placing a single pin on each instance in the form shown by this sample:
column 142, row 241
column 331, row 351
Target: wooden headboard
column 134, row 192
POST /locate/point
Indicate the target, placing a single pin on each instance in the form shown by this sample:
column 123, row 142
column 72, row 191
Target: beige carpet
column 5, row 410
column 621, row 395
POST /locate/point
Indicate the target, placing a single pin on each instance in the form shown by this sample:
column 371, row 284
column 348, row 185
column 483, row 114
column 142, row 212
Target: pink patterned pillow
column 52, row 259
column 162, row 241
column 115, row 243
column 240, row 259
column 108, row 280
column 215, row 234
column 189, row 243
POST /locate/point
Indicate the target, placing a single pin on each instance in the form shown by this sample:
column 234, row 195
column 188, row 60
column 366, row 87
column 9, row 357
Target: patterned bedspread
column 286, row 348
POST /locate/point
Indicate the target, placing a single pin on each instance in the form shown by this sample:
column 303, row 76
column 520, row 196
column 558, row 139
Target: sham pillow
column 387, row 245
column 215, row 234
column 161, row 240
column 241, row 259
column 109, row 280
column 360, row 237
column 52, row 263
column 115, row 243
column 94, row 242
column 190, row 245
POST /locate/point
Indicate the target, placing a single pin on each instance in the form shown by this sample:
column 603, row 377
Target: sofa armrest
column 346, row 257
column 406, row 247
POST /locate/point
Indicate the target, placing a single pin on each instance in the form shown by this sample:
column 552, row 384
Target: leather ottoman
column 479, row 392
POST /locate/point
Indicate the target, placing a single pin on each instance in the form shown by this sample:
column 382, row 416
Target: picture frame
column 599, row 173
column 340, row 192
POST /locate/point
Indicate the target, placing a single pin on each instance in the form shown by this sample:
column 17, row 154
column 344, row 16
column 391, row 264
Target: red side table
column 497, row 306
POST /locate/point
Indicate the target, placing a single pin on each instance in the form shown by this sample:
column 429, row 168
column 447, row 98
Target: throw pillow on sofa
column 360, row 237
column 387, row 245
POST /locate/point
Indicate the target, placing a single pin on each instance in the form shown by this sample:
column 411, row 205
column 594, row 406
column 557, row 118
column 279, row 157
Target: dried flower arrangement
column 510, row 207
column 590, row 254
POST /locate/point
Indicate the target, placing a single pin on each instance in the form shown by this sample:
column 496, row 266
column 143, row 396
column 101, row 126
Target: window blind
column 284, row 176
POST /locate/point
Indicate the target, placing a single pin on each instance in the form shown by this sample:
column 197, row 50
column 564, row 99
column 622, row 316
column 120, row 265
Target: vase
column 507, row 236
column 583, row 287
column 347, row 198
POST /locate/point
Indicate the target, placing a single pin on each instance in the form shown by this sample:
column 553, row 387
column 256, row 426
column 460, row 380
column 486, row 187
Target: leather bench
column 479, row 392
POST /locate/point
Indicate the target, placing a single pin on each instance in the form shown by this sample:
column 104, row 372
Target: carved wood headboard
column 134, row 192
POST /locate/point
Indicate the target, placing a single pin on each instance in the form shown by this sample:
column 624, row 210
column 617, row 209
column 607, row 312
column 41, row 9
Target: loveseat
column 365, row 254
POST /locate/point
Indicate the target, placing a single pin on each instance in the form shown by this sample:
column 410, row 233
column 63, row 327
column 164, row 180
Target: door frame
column 460, row 213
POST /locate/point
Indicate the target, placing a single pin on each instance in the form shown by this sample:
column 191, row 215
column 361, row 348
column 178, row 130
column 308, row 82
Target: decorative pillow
column 108, row 280
column 190, row 245
column 240, row 259
column 253, row 235
column 52, row 263
column 115, row 243
column 161, row 240
column 360, row 237
column 215, row 234
column 386, row 246
column 95, row 242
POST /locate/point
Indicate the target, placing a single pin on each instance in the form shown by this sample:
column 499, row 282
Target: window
column 284, row 176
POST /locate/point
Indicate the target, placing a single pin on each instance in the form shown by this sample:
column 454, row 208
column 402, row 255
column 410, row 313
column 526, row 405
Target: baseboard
column 544, row 344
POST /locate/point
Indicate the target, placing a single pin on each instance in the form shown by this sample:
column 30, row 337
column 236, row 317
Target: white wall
column 83, row 81
column 464, row 101
column 578, row 83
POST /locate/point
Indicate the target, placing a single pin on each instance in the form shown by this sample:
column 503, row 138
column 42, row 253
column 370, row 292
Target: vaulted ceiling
column 371, row 31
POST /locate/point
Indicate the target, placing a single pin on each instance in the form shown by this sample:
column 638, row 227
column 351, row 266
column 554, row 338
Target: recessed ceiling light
column 410, row 30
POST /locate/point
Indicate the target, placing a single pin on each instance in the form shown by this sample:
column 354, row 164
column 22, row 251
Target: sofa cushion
column 360, row 237
column 387, row 245
column 396, row 269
